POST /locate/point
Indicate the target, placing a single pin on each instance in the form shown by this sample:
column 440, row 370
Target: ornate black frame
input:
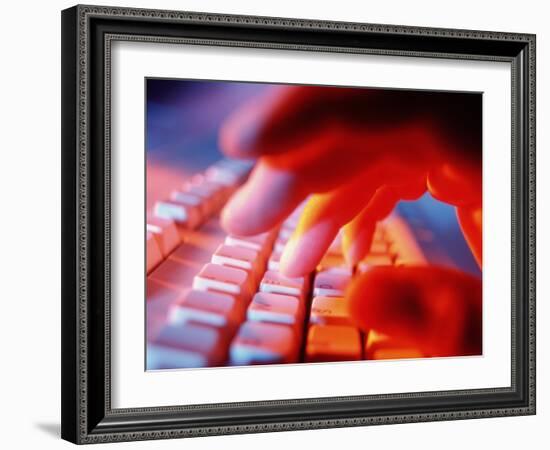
column 87, row 416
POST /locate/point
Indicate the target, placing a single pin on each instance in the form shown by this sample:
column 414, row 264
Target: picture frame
column 87, row 35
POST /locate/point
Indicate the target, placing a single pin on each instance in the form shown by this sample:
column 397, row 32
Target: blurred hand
column 356, row 153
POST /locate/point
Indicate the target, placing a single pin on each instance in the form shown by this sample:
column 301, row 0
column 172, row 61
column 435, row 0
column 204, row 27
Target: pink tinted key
column 329, row 311
column 183, row 214
column 263, row 343
column 333, row 343
column 225, row 279
column 166, row 233
column 276, row 308
column 154, row 256
column 277, row 283
column 259, row 242
column 331, row 283
column 188, row 345
column 234, row 256
column 212, row 308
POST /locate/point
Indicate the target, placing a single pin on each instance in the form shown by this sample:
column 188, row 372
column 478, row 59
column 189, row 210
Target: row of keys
column 238, row 309
column 189, row 207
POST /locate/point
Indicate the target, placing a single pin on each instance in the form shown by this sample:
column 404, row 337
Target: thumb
column 433, row 309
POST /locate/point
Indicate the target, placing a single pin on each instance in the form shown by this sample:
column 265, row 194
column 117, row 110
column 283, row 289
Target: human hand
column 356, row 153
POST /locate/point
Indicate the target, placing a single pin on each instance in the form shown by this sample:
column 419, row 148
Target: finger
column 455, row 185
column 436, row 310
column 240, row 132
column 285, row 116
column 323, row 216
column 358, row 234
column 264, row 201
column 470, row 220
column 280, row 182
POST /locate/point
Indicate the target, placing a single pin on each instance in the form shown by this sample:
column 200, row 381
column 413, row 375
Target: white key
column 277, row 283
column 241, row 257
column 154, row 255
column 331, row 283
column 194, row 201
column 159, row 298
column 333, row 343
column 224, row 279
column 329, row 311
column 212, row 193
column 259, row 242
column 263, row 343
column 373, row 261
column 183, row 214
column 276, row 308
column 175, row 273
column 211, row 308
column 188, row 345
column 223, row 175
column 166, row 232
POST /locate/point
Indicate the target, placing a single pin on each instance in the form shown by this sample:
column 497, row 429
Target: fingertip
column 306, row 248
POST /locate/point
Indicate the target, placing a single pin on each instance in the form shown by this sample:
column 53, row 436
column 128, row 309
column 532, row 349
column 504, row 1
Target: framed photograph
column 280, row 224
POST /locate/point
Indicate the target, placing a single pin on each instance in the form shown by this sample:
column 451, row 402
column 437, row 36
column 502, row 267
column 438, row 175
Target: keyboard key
column 154, row 255
column 277, row 283
column 333, row 343
column 213, row 194
column 175, row 273
column 207, row 237
column 380, row 346
column 223, row 175
column 159, row 299
column 331, row 261
column 211, row 308
column 194, row 201
column 241, row 257
column 331, row 283
column 263, row 343
column 373, row 261
column 259, row 242
column 276, row 308
column 166, row 233
column 188, row 345
column 225, row 279
column 329, row 311
column 183, row 214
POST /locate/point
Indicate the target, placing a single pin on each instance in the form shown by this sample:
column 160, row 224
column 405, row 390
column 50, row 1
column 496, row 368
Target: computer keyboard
column 215, row 299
